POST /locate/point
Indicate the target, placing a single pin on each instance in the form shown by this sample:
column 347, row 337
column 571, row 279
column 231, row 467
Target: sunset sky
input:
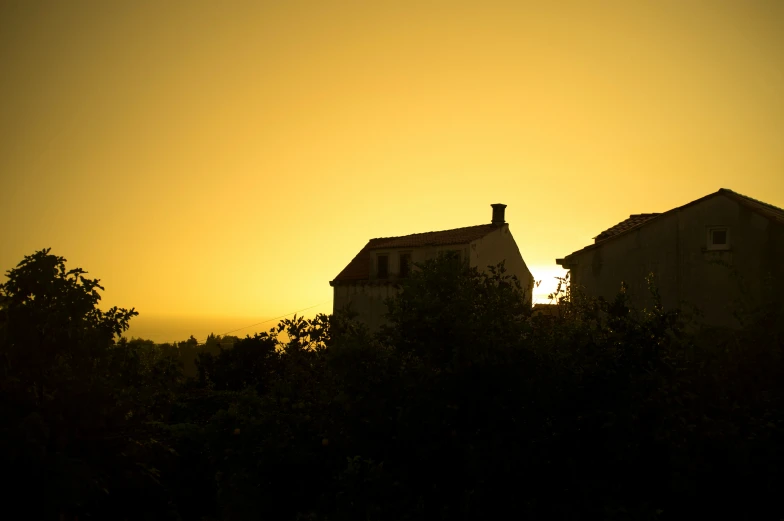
column 218, row 163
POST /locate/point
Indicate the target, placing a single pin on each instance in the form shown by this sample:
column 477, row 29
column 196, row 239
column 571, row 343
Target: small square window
column 405, row 264
column 718, row 238
column 383, row 266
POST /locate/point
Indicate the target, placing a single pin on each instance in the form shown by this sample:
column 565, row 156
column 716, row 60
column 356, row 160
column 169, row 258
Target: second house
column 373, row 274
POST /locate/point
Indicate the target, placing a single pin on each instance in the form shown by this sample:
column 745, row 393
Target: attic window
column 455, row 256
column 383, row 266
column 405, row 264
column 718, row 238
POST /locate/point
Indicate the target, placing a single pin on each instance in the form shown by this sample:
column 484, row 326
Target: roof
column 768, row 210
column 636, row 221
column 359, row 267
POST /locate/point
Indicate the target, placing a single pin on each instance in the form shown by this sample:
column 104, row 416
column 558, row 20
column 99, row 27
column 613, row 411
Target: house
column 723, row 253
column 374, row 273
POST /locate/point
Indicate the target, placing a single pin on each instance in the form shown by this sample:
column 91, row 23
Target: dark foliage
column 465, row 406
column 77, row 410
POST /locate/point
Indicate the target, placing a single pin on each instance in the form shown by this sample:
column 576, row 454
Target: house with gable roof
column 723, row 253
column 374, row 274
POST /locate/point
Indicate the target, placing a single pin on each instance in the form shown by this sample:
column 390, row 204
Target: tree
column 52, row 317
column 74, row 404
column 453, row 316
column 252, row 361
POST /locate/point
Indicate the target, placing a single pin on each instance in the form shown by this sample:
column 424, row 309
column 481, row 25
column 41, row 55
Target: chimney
column 498, row 213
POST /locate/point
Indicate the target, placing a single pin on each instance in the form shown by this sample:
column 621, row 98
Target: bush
column 465, row 406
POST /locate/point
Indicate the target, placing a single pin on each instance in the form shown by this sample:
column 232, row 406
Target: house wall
column 500, row 246
column 674, row 248
column 367, row 299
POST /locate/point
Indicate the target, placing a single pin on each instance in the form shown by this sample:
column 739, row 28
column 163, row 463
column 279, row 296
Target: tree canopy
column 467, row 405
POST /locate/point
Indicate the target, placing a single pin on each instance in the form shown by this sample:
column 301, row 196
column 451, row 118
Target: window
column 718, row 238
column 383, row 266
column 455, row 256
column 405, row 264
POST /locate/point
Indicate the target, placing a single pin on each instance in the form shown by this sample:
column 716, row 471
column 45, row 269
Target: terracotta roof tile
column 634, row 220
column 456, row 236
column 359, row 267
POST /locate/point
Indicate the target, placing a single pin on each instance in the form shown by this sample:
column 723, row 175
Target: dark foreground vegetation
column 465, row 407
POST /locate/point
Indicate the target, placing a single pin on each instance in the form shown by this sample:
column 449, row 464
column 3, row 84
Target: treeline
column 186, row 351
column 467, row 406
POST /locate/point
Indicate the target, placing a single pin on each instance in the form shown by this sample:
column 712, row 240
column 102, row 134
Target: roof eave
column 567, row 262
column 365, row 282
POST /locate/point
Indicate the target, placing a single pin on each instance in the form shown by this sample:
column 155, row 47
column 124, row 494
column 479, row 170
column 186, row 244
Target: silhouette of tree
column 454, row 316
column 73, row 401
column 465, row 406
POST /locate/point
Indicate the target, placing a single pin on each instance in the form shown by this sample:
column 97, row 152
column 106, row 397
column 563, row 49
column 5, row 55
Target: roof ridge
column 763, row 203
column 767, row 209
column 434, row 231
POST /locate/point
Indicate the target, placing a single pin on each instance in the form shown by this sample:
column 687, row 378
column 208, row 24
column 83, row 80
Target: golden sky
column 227, row 159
